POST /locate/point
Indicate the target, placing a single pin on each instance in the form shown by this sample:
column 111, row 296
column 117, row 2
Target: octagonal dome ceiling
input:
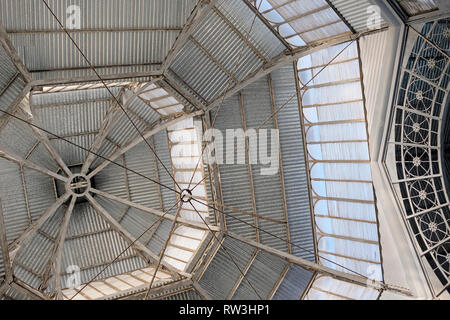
column 106, row 191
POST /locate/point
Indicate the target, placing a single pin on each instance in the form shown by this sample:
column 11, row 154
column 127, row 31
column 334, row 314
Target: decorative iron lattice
column 417, row 149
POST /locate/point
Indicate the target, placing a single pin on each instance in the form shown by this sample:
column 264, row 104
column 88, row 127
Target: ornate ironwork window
column 414, row 148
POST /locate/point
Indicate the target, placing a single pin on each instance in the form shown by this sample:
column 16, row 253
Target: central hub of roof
column 78, row 185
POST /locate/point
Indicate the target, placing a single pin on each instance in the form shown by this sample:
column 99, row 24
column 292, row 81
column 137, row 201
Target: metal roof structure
column 111, row 189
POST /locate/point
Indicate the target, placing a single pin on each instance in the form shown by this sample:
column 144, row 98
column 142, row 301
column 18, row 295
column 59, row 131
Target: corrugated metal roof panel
column 293, row 159
column 69, row 120
column 39, row 191
column 260, row 36
column 219, row 281
column 225, row 45
column 199, row 72
column 145, row 20
column 264, row 274
column 112, row 179
column 185, row 295
column 72, row 154
column 12, row 94
column 15, row 295
column 142, row 191
column 13, row 200
column 267, row 187
column 294, row 284
column 373, row 54
column 234, row 178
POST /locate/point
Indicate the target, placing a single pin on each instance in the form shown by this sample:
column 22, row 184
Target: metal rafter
column 201, row 10
column 28, row 290
column 155, row 212
column 95, row 30
column 12, row 53
column 280, row 164
column 201, row 291
column 315, row 267
column 243, row 37
column 138, row 140
column 94, row 78
column 111, row 117
column 55, row 262
column 34, row 124
column 30, row 165
column 285, row 59
column 129, row 238
column 156, row 290
column 18, row 245
column 267, row 23
column 163, row 251
column 249, row 166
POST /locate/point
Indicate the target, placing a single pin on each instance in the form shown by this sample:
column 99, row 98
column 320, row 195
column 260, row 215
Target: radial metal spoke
column 172, row 229
column 155, row 212
column 315, row 267
column 17, row 246
column 30, row 165
column 138, row 140
column 55, row 262
column 110, row 119
column 200, row 11
column 34, row 124
column 156, row 223
column 85, row 149
column 228, row 254
column 91, row 66
column 129, row 238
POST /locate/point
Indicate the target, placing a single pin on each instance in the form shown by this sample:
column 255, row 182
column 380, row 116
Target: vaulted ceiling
column 104, row 179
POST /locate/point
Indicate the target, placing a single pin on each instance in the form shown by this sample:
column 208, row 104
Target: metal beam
column 12, row 53
column 95, row 30
column 4, row 245
column 249, row 166
column 280, row 164
column 163, row 251
column 285, row 59
column 139, row 139
column 171, row 79
column 4, row 288
column 30, row 165
column 160, row 288
column 129, row 238
column 315, row 267
column 202, row 292
column 57, row 256
column 34, row 124
column 94, row 78
column 268, row 24
column 27, row 290
column 17, row 246
column 110, row 119
column 155, row 212
column 201, row 10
